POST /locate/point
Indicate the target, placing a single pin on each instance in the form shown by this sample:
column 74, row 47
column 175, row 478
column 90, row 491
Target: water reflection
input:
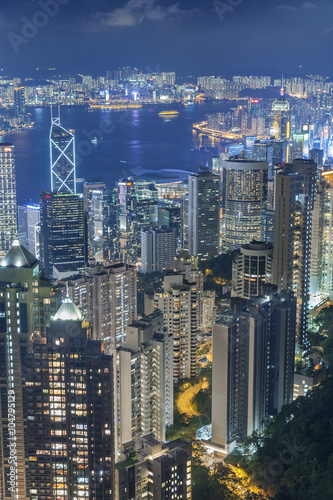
column 139, row 137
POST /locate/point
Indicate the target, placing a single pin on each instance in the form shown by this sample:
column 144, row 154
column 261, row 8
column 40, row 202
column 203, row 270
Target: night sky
column 191, row 37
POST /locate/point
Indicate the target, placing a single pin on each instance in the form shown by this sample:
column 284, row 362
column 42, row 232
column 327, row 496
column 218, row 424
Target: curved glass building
column 244, row 198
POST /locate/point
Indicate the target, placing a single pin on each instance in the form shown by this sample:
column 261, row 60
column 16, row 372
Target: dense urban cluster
column 112, row 297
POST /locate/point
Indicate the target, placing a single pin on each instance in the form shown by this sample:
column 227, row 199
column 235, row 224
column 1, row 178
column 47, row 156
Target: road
column 185, row 400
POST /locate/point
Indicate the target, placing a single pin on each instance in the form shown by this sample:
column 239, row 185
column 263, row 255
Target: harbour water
column 130, row 142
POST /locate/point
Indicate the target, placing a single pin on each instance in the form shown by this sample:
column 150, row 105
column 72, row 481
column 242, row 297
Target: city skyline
column 166, row 256
column 183, row 33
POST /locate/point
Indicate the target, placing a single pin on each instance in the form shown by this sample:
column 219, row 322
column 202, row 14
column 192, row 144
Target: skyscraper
column 298, row 146
column 154, row 470
column 280, row 149
column 158, row 249
column 109, row 299
column 77, row 288
column 113, row 303
column 28, row 225
column 204, row 215
column 126, row 207
column 281, row 122
column 146, row 195
column 144, row 371
column 110, row 225
column 8, row 224
column 252, row 268
column 263, row 151
column 39, row 299
column 138, row 209
column 208, row 308
column 254, row 106
column 244, row 199
column 295, row 191
column 169, row 215
column 179, row 303
column 62, row 242
column 27, row 303
column 33, row 223
column 93, row 197
column 267, row 226
column 62, row 158
column 193, row 275
column 317, row 155
column 253, row 368
column 321, row 284
column 19, row 102
column 188, row 266
column 22, row 224
column 101, row 210
column 14, row 336
column 281, row 118
column 69, row 405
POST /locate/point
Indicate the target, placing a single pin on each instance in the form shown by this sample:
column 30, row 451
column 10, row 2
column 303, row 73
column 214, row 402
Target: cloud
column 285, row 7
column 309, row 5
column 329, row 29
column 304, row 5
column 119, row 17
column 136, row 11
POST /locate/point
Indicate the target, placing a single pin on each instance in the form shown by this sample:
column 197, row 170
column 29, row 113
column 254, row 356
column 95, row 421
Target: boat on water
column 168, row 113
column 94, row 140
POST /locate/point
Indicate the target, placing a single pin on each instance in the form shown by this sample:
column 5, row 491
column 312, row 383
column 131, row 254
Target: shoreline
column 203, row 129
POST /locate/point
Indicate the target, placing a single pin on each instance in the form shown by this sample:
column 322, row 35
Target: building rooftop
column 117, row 267
column 19, row 256
column 281, row 104
column 66, row 267
column 68, row 311
column 125, row 463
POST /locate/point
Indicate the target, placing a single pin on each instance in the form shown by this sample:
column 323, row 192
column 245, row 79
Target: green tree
column 293, row 458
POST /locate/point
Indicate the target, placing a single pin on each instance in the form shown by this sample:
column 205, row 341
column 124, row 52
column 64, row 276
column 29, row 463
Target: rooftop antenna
column 54, row 121
column 282, row 89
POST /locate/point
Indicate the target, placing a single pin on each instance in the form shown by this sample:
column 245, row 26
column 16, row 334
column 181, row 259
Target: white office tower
column 93, row 197
column 244, row 199
column 204, row 215
column 253, row 365
column 188, row 265
column 251, row 269
column 295, row 193
column 179, row 303
column 158, row 249
column 321, row 280
column 208, row 308
column 8, row 224
column 144, row 381
column 28, row 227
column 62, row 158
column 113, row 303
column 193, row 275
